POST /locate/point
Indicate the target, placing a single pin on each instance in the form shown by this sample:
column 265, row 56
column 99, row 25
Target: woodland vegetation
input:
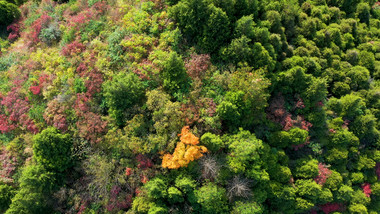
column 190, row 106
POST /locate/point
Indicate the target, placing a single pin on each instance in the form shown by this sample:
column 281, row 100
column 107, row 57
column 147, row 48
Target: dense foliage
column 190, row 106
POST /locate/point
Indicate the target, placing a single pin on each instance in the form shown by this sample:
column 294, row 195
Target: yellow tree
column 185, row 152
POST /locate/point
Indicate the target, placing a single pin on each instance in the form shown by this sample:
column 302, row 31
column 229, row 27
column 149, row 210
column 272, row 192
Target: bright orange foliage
column 185, row 152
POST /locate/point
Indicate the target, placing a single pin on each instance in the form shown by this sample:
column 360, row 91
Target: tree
column 173, row 74
column 36, row 183
column 121, row 93
column 245, row 26
column 190, row 16
column 157, row 188
column 166, row 115
column 6, row 194
column 8, row 12
column 216, row 30
column 185, row 152
column 52, row 149
column 306, row 168
column 212, row 199
column 245, row 155
column 247, row 208
column 363, row 12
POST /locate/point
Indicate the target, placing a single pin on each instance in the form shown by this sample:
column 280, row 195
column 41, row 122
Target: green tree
column 121, row 93
column 156, row 188
column 247, row 208
column 173, row 74
column 216, row 30
column 52, row 149
column 212, row 198
column 8, row 12
column 363, row 12
column 36, row 183
column 6, row 194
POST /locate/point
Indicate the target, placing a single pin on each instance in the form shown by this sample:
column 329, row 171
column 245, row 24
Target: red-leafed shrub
column 119, row 199
column 37, row 26
column 197, row 65
column 144, row 162
column 17, row 108
column 190, row 113
column 4, row 125
column 94, row 82
column 323, row 174
column 73, row 48
column 55, row 115
column 91, row 127
column 35, row 89
column 144, row 179
column 331, row 207
column 367, row 189
column 128, row 171
column 82, row 103
column 7, row 167
column 82, row 69
column 277, row 113
column 14, row 30
column 300, row 104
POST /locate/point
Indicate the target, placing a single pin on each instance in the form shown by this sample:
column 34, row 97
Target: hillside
column 190, row 106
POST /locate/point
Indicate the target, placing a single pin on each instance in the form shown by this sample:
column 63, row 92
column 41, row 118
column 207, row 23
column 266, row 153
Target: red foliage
column 190, row 113
column 35, row 89
column 17, row 109
column 320, row 104
column 91, row 127
column 4, row 125
column 82, row 103
column 82, row 69
column 14, row 30
column 118, row 199
column 100, row 7
column 299, row 146
column 323, row 174
column 211, row 110
column 144, row 179
column 302, row 123
column 144, row 162
column 197, row 65
column 8, row 167
column 332, row 207
column 277, row 113
column 38, row 25
column 367, row 189
column 128, row 171
column 345, row 124
column 300, row 104
column 146, row 69
column 55, row 115
column 137, row 191
column 94, row 82
column 73, row 49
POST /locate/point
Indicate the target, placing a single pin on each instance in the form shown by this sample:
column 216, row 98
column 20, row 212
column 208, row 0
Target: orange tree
column 185, row 152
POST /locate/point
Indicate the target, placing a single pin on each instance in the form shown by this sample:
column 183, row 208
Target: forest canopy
column 190, row 106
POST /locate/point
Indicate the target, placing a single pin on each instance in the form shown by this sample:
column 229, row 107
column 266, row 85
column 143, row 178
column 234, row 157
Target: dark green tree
column 121, row 93
column 52, row 149
column 8, row 12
